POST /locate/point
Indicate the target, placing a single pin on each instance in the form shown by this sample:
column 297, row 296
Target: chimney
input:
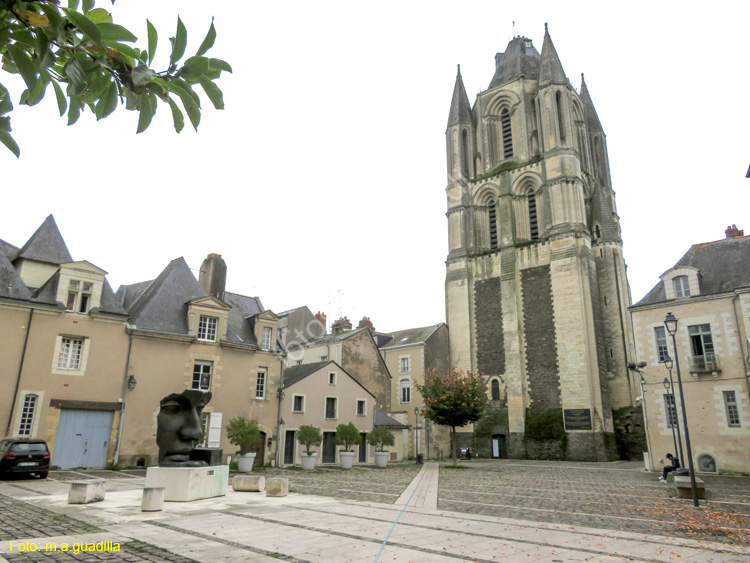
column 322, row 319
column 213, row 275
column 733, row 232
column 341, row 325
column 366, row 323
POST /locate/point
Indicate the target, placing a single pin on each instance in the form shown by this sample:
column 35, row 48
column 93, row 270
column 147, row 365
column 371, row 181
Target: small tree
column 380, row 437
column 455, row 400
column 347, row 435
column 243, row 432
column 309, row 436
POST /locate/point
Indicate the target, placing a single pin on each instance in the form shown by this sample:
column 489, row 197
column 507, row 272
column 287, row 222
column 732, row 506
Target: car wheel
column 43, row 475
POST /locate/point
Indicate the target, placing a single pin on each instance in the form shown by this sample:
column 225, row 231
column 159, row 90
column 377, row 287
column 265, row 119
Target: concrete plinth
column 85, row 492
column 189, row 483
column 252, row 483
column 277, row 487
column 153, row 499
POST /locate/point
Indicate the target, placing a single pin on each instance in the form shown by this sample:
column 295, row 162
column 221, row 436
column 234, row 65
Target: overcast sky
column 323, row 181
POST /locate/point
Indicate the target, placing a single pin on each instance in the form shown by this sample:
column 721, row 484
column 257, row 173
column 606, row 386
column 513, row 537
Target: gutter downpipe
column 278, row 412
column 122, row 408
column 739, row 337
column 20, row 371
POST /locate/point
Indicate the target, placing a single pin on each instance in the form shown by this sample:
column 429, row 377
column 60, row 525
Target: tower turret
column 460, row 133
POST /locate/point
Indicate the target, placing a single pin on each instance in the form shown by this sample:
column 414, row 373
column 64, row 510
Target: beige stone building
column 536, row 286
column 708, row 290
column 408, row 355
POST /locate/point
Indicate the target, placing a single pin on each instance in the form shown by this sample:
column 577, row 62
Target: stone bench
column 85, row 492
column 252, row 483
column 685, row 488
column 153, row 499
column 277, row 486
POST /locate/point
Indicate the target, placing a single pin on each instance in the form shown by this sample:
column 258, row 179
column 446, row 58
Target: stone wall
column 629, row 432
column 488, row 315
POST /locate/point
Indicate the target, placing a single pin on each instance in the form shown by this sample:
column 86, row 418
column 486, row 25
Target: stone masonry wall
column 541, row 345
column 488, row 314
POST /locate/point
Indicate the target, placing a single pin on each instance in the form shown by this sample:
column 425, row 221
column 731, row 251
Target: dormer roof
column 46, row 245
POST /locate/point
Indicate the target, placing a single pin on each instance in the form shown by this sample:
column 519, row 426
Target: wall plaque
column 577, row 419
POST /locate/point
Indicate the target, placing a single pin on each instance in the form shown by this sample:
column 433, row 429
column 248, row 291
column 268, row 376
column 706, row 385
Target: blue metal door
column 82, row 439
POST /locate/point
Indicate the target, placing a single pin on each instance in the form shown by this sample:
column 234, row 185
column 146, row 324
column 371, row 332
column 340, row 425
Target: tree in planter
column 347, row 435
column 380, row 437
column 454, row 401
column 309, row 436
column 243, row 432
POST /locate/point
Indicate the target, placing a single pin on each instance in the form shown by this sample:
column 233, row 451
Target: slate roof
column 11, row 285
column 127, row 294
column 289, row 312
column 109, row 302
column 460, row 105
column 48, row 292
column 410, row 336
column 46, row 245
column 592, row 119
column 550, row 68
column 601, row 214
column 724, row 266
column 382, row 419
column 238, row 329
column 8, row 250
column 295, row 374
column 516, row 61
column 333, row 337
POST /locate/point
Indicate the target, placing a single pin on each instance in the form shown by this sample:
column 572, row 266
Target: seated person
column 667, row 468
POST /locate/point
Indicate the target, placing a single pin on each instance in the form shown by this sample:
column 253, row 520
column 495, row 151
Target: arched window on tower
column 507, row 133
column 465, row 153
column 492, row 220
column 495, row 390
column 533, row 222
column 560, row 119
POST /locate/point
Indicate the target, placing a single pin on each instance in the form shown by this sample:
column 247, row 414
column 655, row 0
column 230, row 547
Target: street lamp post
column 416, row 432
column 670, row 322
column 632, row 366
column 674, row 438
column 669, row 364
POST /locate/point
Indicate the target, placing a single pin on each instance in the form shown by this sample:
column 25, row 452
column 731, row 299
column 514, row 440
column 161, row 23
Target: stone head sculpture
column 178, row 427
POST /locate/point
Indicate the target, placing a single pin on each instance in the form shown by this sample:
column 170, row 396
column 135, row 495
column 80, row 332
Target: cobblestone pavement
column 616, row 496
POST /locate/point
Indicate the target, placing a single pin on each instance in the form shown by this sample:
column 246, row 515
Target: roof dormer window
column 79, row 296
column 681, row 286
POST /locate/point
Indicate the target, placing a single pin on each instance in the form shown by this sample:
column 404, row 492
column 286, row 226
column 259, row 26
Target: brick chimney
column 733, row 232
column 322, row 319
column 213, row 275
column 366, row 323
column 341, row 325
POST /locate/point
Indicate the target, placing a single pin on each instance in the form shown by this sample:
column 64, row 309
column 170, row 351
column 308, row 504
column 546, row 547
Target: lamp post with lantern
column 669, row 386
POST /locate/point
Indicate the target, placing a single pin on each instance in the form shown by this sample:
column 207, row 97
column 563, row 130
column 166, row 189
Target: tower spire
column 592, row 119
column 460, row 106
column 550, row 68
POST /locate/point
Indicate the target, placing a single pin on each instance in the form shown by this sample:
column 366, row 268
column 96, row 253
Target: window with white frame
column 681, row 286
column 733, row 413
column 79, row 296
column 260, row 386
column 298, row 404
column 671, row 409
column 361, row 407
column 207, row 328
column 404, row 365
column 701, row 340
column 405, row 391
column 27, row 415
column 71, row 350
column 331, row 407
column 661, row 343
column 202, row 375
column 266, row 342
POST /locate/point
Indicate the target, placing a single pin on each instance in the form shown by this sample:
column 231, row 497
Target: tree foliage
column 89, row 62
column 347, row 435
column 380, row 437
column 455, row 400
column 309, row 436
column 243, row 432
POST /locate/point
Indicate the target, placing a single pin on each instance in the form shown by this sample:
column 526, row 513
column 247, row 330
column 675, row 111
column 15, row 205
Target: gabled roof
column 238, row 329
column 592, row 119
column 46, row 245
column 162, row 306
column 517, row 60
column 109, row 302
column 460, row 105
column 411, row 336
column 127, row 294
column 290, row 311
column 8, row 250
column 11, row 284
column 295, row 374
column 550, row 67
column 334, row 337
column 382, row 419
column 601, row 214
column 724, row 266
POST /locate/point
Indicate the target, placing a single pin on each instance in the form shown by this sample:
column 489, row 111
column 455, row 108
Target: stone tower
column 536, row 287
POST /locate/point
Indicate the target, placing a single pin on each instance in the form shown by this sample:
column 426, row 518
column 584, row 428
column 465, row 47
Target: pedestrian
column 667, row 468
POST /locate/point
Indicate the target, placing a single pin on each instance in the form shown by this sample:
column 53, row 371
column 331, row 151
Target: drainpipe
column 278, row 412
column 122, row 407
column 20, row 371
column 742, row 351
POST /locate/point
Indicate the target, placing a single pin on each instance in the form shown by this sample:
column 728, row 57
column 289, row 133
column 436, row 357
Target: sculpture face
column 178, row 427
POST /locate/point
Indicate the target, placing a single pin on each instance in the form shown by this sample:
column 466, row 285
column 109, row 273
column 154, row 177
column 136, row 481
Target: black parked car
column 24, row 456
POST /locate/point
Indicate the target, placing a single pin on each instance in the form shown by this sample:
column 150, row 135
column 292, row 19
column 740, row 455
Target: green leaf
column 130, row 54
column 8, row 141
column 148, row 108
column 56, row 30
column 208, row 42
column 186, row 96
column 84, row 25
column 153, row 39
column 212, row 91
column 77, row 78
column 25, row 66
column 74, row 111
column 35, row 95
column 5, row 104
column 179, row 43
column 218, row 64
column 87, row 5
column 179, row 119
column 107, row 103
column 196, row 65
column 114, row 32
column 98, row 16
column 142, row 74
column 62, row 101
column 72, row 4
